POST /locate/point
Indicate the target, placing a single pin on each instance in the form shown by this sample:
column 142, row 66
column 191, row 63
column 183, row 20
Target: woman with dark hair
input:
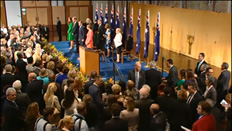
column 181, row 82
column 70, row 33
column 190, row 79
column 108, row 39
column 69, row 103
column 31, row 116
column 131, row 114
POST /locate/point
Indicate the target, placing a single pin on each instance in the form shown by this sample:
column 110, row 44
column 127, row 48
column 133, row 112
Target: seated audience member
column 210, row 92
column 159, row 119
column 22, row 99
column 131, row 114
column 131, row 91
column 91, row 116
column 13, row 118
column 143, row 104
column 43, row 75
column 32, row 115
column 49, row 97
column 206, row 121
column 69, row 103
column 115, row 123
column 46, row 120
column 66, row 124
column 79, row 119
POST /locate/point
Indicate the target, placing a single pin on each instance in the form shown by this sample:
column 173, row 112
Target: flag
column 101, row 13
column 112, row 18
column 138, row 34
column 157, row 38
column 117, row 18
column 106, row 14
column 124, row 25
column 146, row 45
column 131, row 26
column 96, row 12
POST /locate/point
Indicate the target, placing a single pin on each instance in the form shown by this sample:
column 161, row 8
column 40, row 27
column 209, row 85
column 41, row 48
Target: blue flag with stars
column 157, row 38
column 146, row 45
column 138, row 44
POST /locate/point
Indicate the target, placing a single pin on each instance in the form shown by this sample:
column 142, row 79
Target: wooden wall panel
column 84, row 13
column 28, row 3
column 74, row 11
column 43, row 16
column 211, row 31
column 70, row 3
column 3, row 14
column 83, row 2
column 31, row 14
column 58, row 11
column 43, row 3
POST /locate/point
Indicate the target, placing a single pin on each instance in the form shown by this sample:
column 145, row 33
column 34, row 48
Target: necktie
column 198, row 67
column 15, row 104
column 189, row 99
column 136, row 79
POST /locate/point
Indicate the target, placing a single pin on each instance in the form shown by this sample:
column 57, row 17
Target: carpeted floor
column 106, row 68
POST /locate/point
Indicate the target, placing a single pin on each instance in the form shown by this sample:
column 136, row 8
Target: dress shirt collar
column 171, row 66
column 95, row 84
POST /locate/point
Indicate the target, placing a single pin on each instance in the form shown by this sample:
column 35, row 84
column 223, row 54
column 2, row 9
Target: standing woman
column 108, row 39
column 70, row 33
column 89, row 38
column 118, row 43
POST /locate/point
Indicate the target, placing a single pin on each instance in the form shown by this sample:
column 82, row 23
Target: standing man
column 46, row 32
column 58, row 28
column 159, row 119
column 82, row 34
column 137, row 76
column 95, row 34
column 153, row 79
column 101, row 30
column 75, row 33
column 199, row 63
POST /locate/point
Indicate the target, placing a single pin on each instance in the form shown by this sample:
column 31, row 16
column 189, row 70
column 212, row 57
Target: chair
column 127, row 51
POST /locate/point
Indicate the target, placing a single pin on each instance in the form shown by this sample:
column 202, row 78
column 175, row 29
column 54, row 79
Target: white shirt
column 4, row 30
column 118, row 40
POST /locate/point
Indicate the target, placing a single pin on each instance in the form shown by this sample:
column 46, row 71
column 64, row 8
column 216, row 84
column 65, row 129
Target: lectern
column 89, row 61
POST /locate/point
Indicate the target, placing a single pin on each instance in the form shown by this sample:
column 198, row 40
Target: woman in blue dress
column 108, row 39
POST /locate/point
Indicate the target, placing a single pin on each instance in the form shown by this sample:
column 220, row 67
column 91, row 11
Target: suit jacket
column 76, row 30
column 22, row 72
column 82, row 34
column 116, row 124
column 96, row 95
column 87, row 85
column 22, row 100
column 7, row 79
column 102, row 31
column 144, row 113
column 212, row 94
column 198, row 72
column 153, row 79
column 158, row 123
column 172, row 77
column 201, row 82
column 223, row 84
column 58, row 26
column 13, row 119
column 206, row 123
column 45, row 31
column 95, row 27
column 142, row 79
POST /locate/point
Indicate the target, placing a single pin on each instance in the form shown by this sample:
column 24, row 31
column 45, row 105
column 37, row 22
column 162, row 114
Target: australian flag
column 138, row 34
column 117, row 18
column 106, row 15
column 96, row 12
column 146, row 45
column 101, row 13
column 124, row 25
column 131, row 26
column 157, row 38
column 112, row 18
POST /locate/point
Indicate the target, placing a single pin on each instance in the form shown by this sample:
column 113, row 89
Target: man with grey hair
column 144, row 104
column 13, row 119
column 210, row 92
column 153, row 79
column 22, row 99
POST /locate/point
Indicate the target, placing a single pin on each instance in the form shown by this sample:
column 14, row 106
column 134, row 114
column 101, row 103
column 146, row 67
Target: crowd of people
column 39, row 93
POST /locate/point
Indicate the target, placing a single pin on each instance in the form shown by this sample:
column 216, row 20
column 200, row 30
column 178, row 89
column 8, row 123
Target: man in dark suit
column 193, row 99
column 7, row 78
column 159, row 119
column 95, row 33
column 82, row 34
column 223, row 82
column 13, row 119
column 153, row 79
column 172, row 77
column 90, row 82
column 22, row 99
column 34, row 90
column 137, row 76
column 115, row 123
column 101, row 30
column 201, row 79
column 45, row 31
column 144, row 104
column 210, row 92
column 76, row 33
column 201, row 61
column 22, row 72
column 58, row 28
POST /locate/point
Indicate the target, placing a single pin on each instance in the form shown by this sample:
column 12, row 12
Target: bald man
column 137, row 76
column 158, row 122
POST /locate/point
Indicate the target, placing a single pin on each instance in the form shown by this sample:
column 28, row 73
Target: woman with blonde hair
column 31, row 116
column 131, row 114
column 118, row 43
column 66, row 124
column 49, row 97
column 70, row 33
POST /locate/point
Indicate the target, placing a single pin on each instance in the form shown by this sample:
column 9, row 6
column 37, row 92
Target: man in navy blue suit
column 76, row 33
column 82, row 34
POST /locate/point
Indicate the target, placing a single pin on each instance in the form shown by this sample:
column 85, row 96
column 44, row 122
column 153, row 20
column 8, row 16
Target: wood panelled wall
column 3, row 13
column 211, row 31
